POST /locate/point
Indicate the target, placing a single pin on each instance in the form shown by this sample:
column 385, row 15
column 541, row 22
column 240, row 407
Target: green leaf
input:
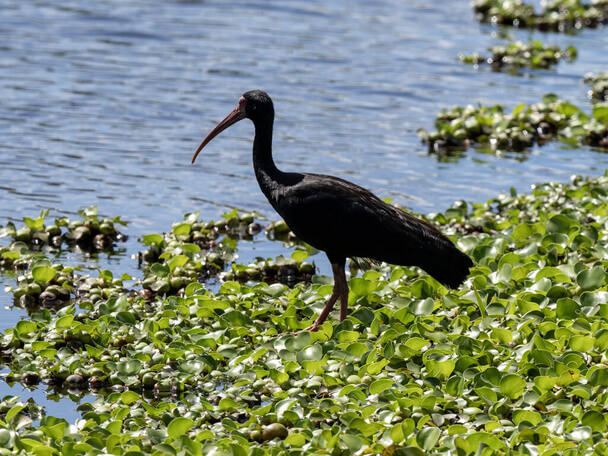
column 182, row 229
column 160, row 270
column 595, row 420
column 380, row 385
column 298, row 342
column 351, row 442
column 177, row 261
column 64, row 322
column 191, row 366
column 227, row 404
column 559, row 224
column 179, row 426
column 362, row 287
column 512, row 385
column 550, row 98
column 13, row 412
column 599, row 377
column 440, row 369
column 422, row 308
column 591, row 279
column 130, row 367
column 428, row 437
column 150, row 239
column 520, row 416
column 35, row 224
column 126, row 317
column 601, row 113
column 299, row 255
column 375, row 368
column 129, row 397
column 519, row 108
column 312, row 353
column 26, row 327
column 43, row 274
column 581, row 343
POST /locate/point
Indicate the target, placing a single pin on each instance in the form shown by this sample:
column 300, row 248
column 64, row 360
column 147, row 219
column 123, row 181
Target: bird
column 341, row 218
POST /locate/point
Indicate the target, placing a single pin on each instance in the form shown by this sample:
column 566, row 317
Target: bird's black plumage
column 341, row 218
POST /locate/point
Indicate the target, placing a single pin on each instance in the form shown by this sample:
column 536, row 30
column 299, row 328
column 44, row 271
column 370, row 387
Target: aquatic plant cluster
column 557, row 15
column 534, row 54
column 90, row 234
column 599, row 86
column 524, row 126
column 513, row 361
column 195, row 249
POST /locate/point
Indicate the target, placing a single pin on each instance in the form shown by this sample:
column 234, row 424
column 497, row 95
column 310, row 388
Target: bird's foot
column 312, row 328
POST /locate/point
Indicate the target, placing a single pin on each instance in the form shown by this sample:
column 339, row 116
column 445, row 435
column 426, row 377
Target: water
column 104, row 103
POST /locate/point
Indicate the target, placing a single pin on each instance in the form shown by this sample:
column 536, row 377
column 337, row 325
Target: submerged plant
column 535, row 55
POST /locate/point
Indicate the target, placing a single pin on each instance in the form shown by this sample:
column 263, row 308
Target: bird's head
column 255, row 105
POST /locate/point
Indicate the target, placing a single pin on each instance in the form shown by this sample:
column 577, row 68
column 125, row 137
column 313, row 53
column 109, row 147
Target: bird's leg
column 340, row 291
column 325, row 312
column 342, row 286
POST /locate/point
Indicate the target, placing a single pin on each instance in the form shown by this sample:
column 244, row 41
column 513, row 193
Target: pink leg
column 340, row 291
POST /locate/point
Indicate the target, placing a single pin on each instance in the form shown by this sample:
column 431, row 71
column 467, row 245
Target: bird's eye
column 242, row 102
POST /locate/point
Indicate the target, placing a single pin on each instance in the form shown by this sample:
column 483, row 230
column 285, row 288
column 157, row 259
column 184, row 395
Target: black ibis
column 339, row 217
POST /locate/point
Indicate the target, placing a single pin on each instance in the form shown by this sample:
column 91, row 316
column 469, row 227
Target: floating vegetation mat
column 557, row 15
column 90, row 234
column 599, row 86
column 513, row 362
column 535, row 55
column 200, row 250
column 462, row 127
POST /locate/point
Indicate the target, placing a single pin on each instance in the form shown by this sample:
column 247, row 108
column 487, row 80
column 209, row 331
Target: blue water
column 104, row 103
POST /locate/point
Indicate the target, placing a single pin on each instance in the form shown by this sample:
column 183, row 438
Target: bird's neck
column 266, row 172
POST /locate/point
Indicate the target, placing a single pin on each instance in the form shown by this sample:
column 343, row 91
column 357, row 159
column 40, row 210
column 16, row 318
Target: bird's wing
column 346, row 220
column 338, row 216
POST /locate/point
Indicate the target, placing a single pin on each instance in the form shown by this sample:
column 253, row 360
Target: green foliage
column 461, row 127
column 557, row 15
column 535, row 55
column 599, row 86
column 514, row 362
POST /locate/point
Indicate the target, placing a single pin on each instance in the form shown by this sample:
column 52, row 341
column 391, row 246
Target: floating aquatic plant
column 89, row 234
column 535, row 55
column 195, row 250
column 524, row 126
column 557, row 15
column 284, row 270
column 599, row 86
column 515, row 361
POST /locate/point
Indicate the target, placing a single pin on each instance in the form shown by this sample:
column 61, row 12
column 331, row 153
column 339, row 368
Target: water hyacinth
column 599, row 86
column 90, row 234
column 288, row 271
column 535, row 55
column 195, row 250
column 462, row 127
column 514, row 361
column 557, row 15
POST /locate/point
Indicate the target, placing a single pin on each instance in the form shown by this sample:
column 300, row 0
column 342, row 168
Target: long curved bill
column 230, row 119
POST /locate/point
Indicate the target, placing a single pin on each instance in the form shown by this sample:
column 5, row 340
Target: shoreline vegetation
column 515, row 360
